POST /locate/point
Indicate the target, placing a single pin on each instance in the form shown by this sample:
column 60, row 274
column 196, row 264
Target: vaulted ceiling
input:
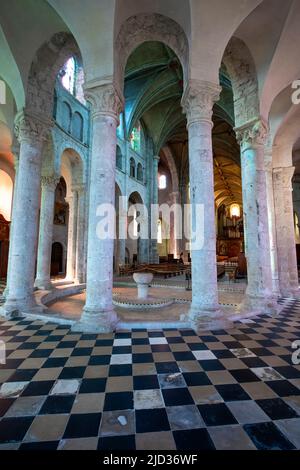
column 153, row 91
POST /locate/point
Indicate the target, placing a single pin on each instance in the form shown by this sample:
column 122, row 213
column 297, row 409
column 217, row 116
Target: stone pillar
column 154, row 258
column 272, row 223
column 79, row 260
column 286, row 249
column 122, row 231
column 31, row 131
column 72, row 200
column 48, row 184
column 16, row 152
column 259, row 294
column 198, row 100
column 98, row 315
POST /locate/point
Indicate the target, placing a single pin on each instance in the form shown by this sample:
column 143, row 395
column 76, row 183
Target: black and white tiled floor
column 170, row 389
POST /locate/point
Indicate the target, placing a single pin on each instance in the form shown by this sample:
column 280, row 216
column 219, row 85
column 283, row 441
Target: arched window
column 6, row 194
column 66, row 116
column 119, row 158
column 135, row 138
column 235, row 211
column 77, row 126
column 140, row 175
column 71, row 76
column 132, row 167
column 159, row 231
column 162, row 182
column 68, row 75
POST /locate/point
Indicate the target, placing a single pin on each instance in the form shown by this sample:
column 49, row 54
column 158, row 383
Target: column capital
column 156, row 159
column 253, row 133
column 79, row 188
column 283, row 176
column 50, row 182
column 198, row 100
column 105, row 100
column 31, row 127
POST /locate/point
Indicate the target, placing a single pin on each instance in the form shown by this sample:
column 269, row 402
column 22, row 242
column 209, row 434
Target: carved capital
column 32, row 128
column 198, row 100
column 50, row 182
column 105, row 100
column 283, row 177
column 253, row 133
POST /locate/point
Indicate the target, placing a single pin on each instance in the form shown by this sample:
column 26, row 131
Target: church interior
column 149, row 225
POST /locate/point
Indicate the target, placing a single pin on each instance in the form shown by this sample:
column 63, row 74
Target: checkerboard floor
column 151, row 390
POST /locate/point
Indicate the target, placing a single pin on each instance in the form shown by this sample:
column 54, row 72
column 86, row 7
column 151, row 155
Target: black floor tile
column 23, row 375
column 117, row 443
column 57, row 405
column 266, row 436
column 5, row 404
column 117, row 370
column 55, row 362
column 154, row 420
column 72, row 373
column 244, row 375
column 118, row 401
column 288, row 372
column 82, row 352
column 156, row 348
column 14, row 429
column 232, row 392
column 82, row 425
column 252, row 362
column 216, row 415
column 177, row 396
column 142, row 358
column 196, row 378
column 276, row 408
column 40, row 353
column 38, row 388
column 93, row 385
column 122, row 350
column 145, row 382
column 283, row 388
column 211, row 365
column 99, row 360
column 166, row 367
column 193, row 439
column 184, row 356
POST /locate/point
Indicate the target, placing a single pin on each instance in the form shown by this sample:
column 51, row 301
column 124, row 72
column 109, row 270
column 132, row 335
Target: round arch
column 146, row 27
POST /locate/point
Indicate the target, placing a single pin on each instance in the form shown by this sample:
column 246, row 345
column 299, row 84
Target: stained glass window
column 135, row 138
column 68, row 75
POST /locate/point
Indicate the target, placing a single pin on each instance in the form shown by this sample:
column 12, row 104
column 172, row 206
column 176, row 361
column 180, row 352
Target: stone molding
column 198, row 100
column 50, row 182
column 253, row 133
column 32, row 128
column 283, row 177
column 105, row 100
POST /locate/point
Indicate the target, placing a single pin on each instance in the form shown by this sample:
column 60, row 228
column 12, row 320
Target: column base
column 208, row 318
column 96, row 321
column 14, row 308
column 260, row 305
column 292, row 292
column 43, row 284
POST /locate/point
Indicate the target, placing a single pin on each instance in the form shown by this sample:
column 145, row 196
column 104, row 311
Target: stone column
column 48, row 184
column 284, row 215
column 99, row 315
column 198, row 100
column 154, row 258
column 31, row 131
column 72, row 200
column 271, row 220
column 259, row 294
column 79, row 264
column 122, row 231
column 16, row 152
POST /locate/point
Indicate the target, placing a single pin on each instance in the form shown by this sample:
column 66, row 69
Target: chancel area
column 149, row 224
